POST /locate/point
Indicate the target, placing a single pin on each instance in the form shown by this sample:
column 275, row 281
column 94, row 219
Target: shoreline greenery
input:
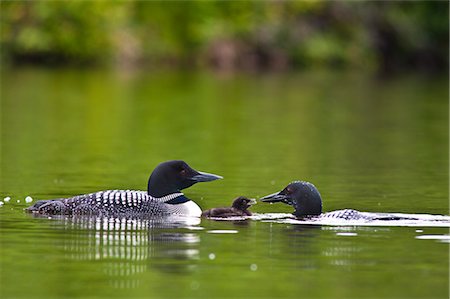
column 232, row 35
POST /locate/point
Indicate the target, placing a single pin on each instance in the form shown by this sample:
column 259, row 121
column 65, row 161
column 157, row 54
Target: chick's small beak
column 252, row 202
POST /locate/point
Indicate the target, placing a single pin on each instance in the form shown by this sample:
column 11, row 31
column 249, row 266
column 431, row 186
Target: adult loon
column 163, row 196
column 307, row 203
column 239, row 208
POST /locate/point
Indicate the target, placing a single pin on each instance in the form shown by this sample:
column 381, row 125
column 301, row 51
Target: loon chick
column 163, row 196
column 237, row 209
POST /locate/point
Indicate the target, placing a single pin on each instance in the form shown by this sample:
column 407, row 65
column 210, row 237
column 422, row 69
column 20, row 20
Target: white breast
column 188, row 208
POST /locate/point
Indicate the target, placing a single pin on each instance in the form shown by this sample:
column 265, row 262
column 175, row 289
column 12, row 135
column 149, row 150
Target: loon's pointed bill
column 275, row 197
column 205, row 177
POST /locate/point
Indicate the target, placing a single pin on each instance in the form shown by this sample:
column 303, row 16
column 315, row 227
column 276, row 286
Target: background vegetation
column 228, row 35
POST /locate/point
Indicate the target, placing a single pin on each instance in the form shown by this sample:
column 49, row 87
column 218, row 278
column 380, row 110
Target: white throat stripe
column 167, row 197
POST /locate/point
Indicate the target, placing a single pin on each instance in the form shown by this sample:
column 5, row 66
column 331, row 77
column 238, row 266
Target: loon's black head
column 243, row 203
column 172, row 176
column 303, row 196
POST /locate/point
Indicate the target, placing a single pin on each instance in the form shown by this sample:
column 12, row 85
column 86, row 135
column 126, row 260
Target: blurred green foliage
column 228, row 35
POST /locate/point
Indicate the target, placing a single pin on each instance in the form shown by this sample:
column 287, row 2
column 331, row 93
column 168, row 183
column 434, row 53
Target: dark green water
column 370, row 145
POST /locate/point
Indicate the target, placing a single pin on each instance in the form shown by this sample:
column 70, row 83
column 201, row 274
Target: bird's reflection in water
column 300, row 241
column 313, row 246
column 128, row 247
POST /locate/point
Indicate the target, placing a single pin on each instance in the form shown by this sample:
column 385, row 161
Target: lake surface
column 370, row 145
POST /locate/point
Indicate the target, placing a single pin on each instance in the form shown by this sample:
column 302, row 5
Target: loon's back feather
column 113, row 203
column 346, row 214
column 349, row 214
